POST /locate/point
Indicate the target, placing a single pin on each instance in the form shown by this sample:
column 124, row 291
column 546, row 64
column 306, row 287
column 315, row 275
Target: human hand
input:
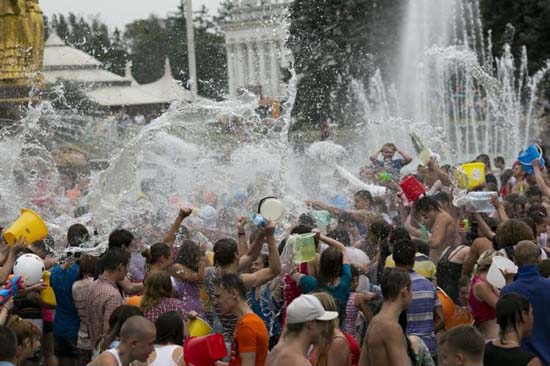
column 192, row 314
column 185, row 212
column 20, row 244
column 241, row 223
column 269, row 229
column 36, row 287
column 317, row 233
column 495, row 201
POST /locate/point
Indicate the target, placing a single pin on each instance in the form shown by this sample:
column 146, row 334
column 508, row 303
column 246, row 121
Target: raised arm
column 406, row 157
column 540, row 180
column 332, row 243
column 7, row 267
column 265, row 275
column 170, row 236
column 485, row 229
column 501, row 212
column 374, row 156
column 252, row 253
column 243, row 245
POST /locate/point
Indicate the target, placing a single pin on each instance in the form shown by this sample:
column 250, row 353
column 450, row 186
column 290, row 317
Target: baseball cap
column 306, row 308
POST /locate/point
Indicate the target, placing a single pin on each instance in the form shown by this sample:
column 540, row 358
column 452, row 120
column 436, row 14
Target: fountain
column 448, row 79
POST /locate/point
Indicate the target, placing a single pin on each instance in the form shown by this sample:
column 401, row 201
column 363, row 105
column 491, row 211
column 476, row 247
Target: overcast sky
column 120, row 12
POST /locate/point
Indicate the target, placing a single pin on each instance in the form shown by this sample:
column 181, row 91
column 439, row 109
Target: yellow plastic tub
column 475, row 173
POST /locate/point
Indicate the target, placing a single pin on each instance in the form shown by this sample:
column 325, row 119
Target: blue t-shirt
column 536, row 289
column 393, row 168
column 67, row 321
column 340, row 292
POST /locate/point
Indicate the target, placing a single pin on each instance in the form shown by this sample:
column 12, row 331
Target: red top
column 480, row 310
column 354, row 348
column 291, row 289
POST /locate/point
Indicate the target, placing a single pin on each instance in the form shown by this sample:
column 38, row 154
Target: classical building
column 63, row 62
column 255, row 42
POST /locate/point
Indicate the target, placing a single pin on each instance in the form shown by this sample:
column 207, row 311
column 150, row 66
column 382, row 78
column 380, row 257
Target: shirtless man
column 304, row 326
column 441, row 224
column 385, row 343
column 137, row 342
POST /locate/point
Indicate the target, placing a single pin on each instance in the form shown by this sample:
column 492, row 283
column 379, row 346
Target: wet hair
column 380, row 229
column 484, row 261
column 404, row 253
column 499, row 160
column 116, row 321
column 157, row 286
column 364, row 195
column 393, row 281
column 464, row 339
column 530, row 222
column 23, row 329
column 505, row 177
column 265, row 259
column 538, row 214
column 231, row 281
column 426, row 204
column 115, row 257
column 389, row 145
column 306, row 219
column 509, row 309
column 301, row 229
column 421, row 246
column 89, row 266
column 156, row 252
column 512, row 232
column 225, row 251
column 8, row 340
column 169, row 328
column 533, row 191
column 399, row 233
column 544, row 268
column 340, row 235
column 442, row 197
column 491, row 187
column 77, row 235
column 330, row 266
column 328, row 328
column 485, row 159
column 189, row 255
column 120, row 238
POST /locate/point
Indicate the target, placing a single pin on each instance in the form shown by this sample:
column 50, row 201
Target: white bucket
column 272, row 208
column 500, row 265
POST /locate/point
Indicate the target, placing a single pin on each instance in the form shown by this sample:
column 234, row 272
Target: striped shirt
column 420, row 314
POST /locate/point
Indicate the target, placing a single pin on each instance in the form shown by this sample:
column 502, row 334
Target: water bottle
column 425, row 235
column 259, row 220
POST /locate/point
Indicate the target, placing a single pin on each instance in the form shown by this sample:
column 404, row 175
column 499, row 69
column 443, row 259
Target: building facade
column 256, row 52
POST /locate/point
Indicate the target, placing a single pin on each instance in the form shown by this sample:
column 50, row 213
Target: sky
column 120, row 12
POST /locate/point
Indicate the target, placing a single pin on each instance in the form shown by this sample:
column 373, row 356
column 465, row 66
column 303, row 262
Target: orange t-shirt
column 250, row 336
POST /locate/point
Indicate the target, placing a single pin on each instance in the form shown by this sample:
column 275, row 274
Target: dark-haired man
column 104, row 296
column 461, row 346
column 385, row 343
column 251, row 341
column 304, row 326
column 442, row 226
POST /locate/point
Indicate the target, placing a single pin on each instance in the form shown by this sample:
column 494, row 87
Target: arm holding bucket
column 265, row 275
column 10, row 260
column 243, row 245
column 332, row 243
column 253, row 252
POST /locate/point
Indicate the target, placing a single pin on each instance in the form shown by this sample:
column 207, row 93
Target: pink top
column 480, row 310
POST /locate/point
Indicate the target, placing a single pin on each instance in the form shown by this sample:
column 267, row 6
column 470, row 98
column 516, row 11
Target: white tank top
column 164, row 355
column 114, row 352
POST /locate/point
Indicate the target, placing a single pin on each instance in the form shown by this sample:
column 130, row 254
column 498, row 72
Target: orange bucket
column 134, row 301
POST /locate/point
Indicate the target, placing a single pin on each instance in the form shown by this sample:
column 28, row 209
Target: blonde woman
column 28, row 338
column 483, row 297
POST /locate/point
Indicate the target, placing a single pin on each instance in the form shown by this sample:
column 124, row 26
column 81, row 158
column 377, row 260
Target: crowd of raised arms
column 392, row 281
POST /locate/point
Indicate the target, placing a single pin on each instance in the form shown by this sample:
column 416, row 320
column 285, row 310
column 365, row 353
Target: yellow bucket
column 47, row 295
column 199, row 328
column 475, row 173
column 210, row 256
column 29, row 225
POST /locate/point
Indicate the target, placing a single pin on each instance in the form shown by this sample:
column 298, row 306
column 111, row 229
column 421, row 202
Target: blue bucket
column 527, row 156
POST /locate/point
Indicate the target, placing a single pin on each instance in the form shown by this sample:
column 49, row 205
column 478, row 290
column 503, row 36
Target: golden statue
column 21, row 49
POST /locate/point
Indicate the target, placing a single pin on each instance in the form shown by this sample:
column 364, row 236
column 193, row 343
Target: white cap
column 306, row 308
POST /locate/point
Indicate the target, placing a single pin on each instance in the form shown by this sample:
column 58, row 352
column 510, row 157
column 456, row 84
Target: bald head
column 526, row 253
column 137, row 327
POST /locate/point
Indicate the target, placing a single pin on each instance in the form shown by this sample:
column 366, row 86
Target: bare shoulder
column 104, row 359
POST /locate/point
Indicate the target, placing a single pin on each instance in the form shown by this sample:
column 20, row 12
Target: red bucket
column 412, row 188
column 204, row 351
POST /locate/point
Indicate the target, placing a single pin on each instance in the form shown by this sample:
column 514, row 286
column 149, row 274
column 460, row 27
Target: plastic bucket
column 199, row 328
column 204, row 351
column 134, row 301
column 425, row 156
column 29, row 225
column 47, row 295
column 271, row 208
column 447, row 304
column 499, row 265
column 30, row 267
column 526, row 157
column 321, row 217
column 475, row 173
column 412, row 188
column 304, row 248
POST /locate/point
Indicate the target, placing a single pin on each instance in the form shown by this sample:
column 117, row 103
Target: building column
column 263, row 78
column 274, row 58
column 251, row 68
column 231, row 70
column 240, row 66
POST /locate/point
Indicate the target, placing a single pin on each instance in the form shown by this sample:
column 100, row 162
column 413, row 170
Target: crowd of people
column 392, row 282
